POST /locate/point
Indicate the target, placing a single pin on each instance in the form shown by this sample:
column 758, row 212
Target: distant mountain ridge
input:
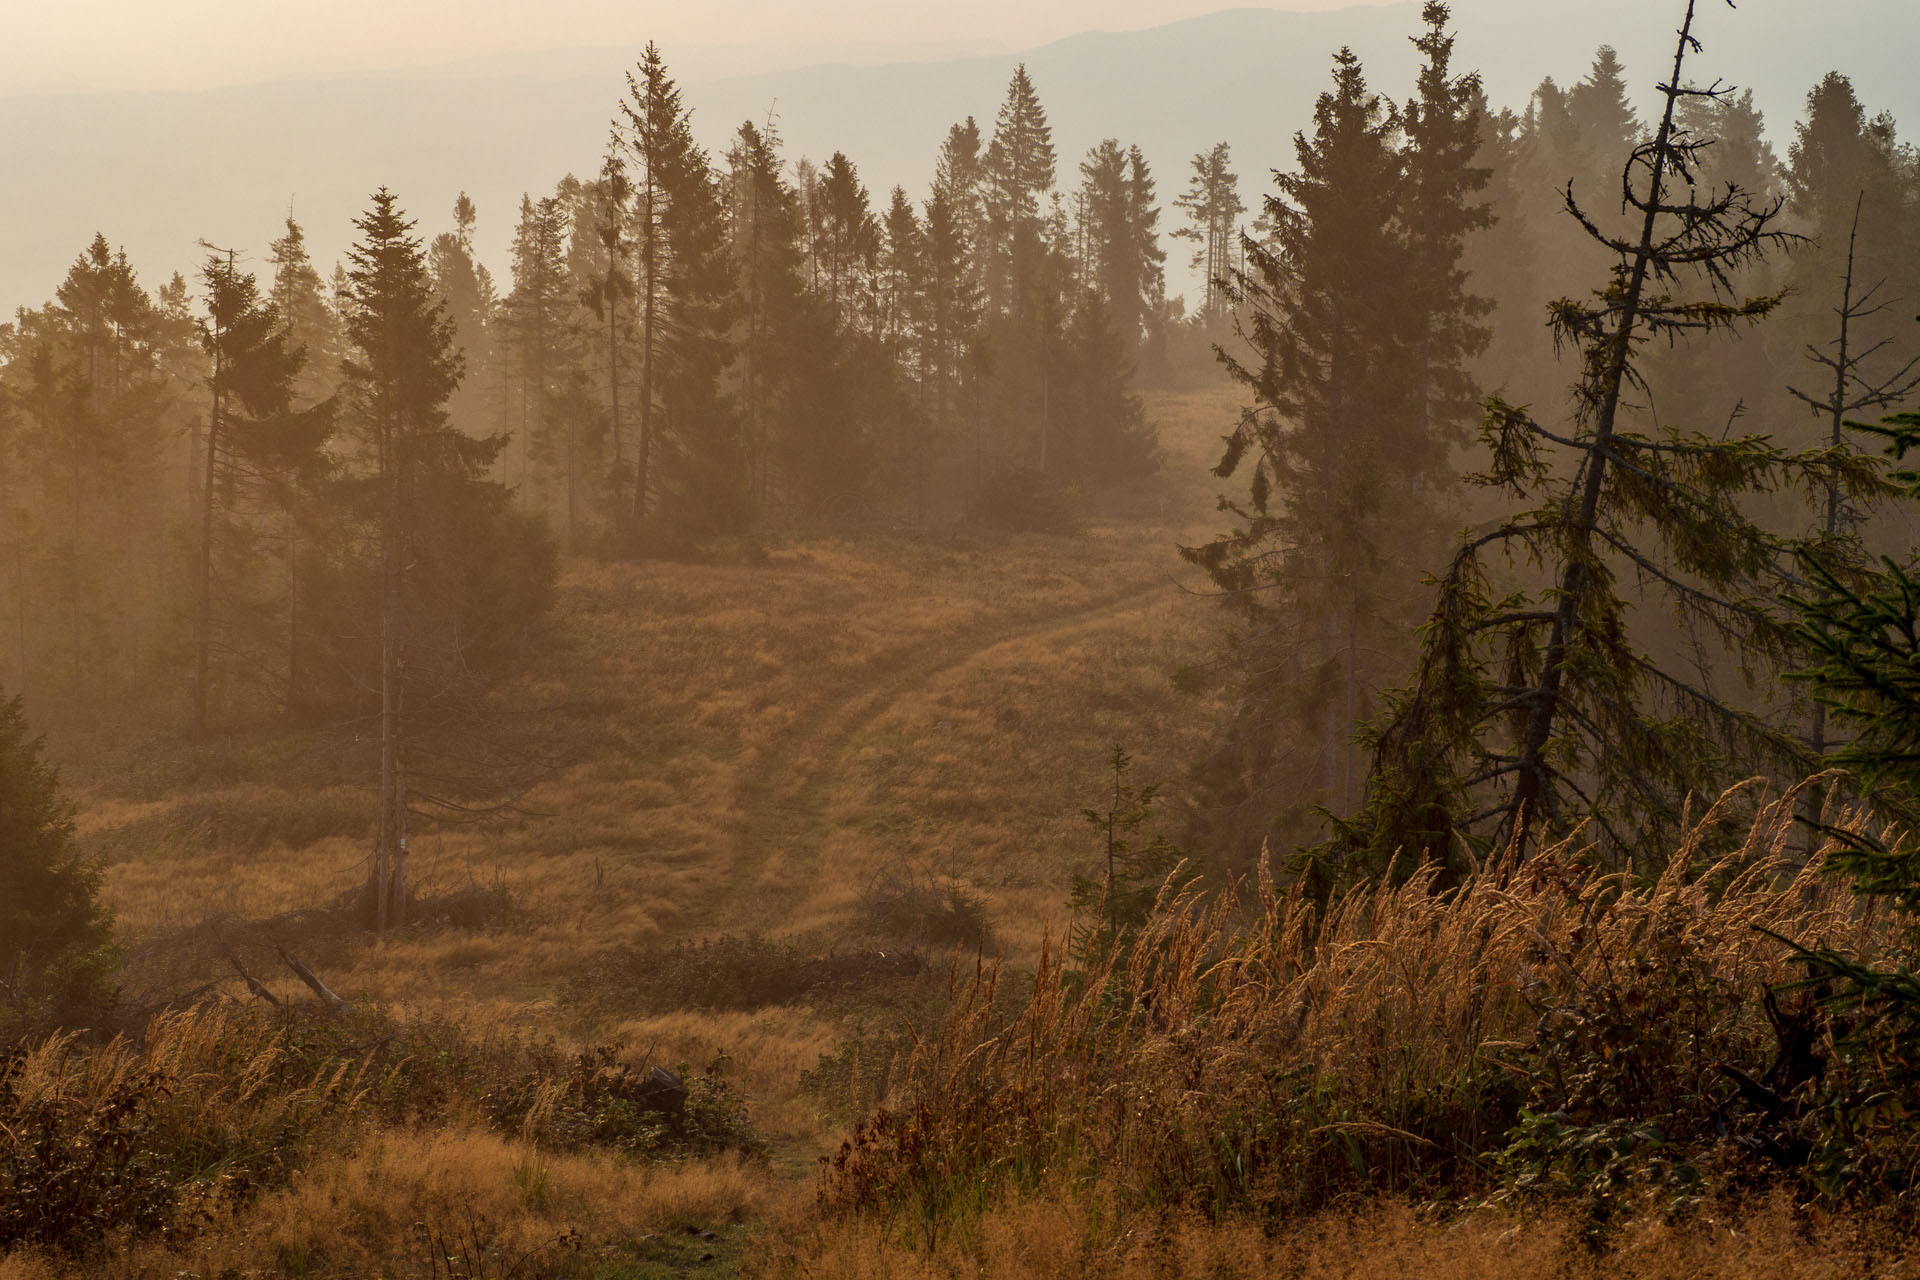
column 159, row 171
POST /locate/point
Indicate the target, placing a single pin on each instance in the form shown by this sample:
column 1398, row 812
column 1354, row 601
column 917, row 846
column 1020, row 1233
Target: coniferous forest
column 788, row 729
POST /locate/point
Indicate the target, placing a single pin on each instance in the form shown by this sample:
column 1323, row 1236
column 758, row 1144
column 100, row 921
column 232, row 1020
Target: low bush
column 74, row 1168
column 922, row 908
column 733, row 972
column 1024, row 500
column 210, row 1107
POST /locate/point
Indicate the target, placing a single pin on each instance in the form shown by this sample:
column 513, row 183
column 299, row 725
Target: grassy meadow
column 789, row 808
column 818, row 748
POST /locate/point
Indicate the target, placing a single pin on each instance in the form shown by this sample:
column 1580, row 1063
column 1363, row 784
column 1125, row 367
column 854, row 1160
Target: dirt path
column 782, row 804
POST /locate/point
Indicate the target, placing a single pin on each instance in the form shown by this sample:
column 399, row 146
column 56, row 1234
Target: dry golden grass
column 751, row 746
column 360, row 1212
column 1049, row 1239
column 1273, row 1063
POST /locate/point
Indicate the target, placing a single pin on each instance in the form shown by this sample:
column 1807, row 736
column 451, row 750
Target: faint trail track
column 781, row 803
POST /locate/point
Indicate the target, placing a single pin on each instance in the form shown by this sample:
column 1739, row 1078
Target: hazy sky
column 197, row 44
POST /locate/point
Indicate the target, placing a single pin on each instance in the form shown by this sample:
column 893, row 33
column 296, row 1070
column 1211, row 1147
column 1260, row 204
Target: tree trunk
column 1531, row 792
column 293, row 609
column 649, row 338
column 203, row 611
column 390, row 854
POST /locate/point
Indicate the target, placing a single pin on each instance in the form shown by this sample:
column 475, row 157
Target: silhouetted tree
column 1339, row 466
column 56, row 958
column 1213, row 207
column 399, row 374
column 1122, row 259
column 251, row 382
column 1019, row 171
column 1535, row 708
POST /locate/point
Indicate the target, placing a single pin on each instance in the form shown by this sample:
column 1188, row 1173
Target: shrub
column 732, row 972
column 74, row 1168
column 920, row 907
column 208, row 1108
column 1023, row 500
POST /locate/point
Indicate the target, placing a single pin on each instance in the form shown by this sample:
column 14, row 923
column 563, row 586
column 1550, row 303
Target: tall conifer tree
column 1536, row 707
column 400, row 372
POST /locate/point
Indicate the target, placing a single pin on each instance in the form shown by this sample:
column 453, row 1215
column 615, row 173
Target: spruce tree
column 399, row 374
column 1536, row 706
column 685, row 310
column 542, row 347
column 252, row 386
column 608, row 291
column 1857, row 374
column 465, row 288
column 1848, row 194
column 299, row 299
column 101, row 399
column 1102, row 423
column 765, row 237
column 1213, row 207
column 902, row 321
column 1122, row 259
column 1603, row 119
column 1112, row 904
column 1441, row 209
column 56, row 957
column 1333, row 452
column 651, row 130
column 1862, row 632
column 959, row 185
column 845, row 242
column 1019, row 172
column 952, row 300
column 698, row 313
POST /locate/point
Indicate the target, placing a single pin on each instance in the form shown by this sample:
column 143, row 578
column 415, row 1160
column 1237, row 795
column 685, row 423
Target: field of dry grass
column 754, row 748
column 1048, row 1239
column 763, row 749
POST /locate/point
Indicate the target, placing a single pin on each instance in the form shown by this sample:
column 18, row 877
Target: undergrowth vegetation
column 765, row 863
column 1546, row 1030
column 212, row 1108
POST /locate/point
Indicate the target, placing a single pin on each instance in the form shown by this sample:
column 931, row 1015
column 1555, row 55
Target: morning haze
column 1029, row 642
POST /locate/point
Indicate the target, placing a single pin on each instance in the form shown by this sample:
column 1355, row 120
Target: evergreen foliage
column 1536, row 707
column 1136, row 867
column 258, row 452
column 1121, row 259
column 1018, row 170
column 1862, row 632
column 452, row 570
column 56, row 958
column 1344, row 449
column 685, row 300
column 1213, row 207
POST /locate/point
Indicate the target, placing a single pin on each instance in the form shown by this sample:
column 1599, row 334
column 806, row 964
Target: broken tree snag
column 253, row 984
column 333, row 1002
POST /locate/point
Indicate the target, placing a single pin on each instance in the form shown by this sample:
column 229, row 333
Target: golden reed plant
column 218, row 1085
column 1269, row 1054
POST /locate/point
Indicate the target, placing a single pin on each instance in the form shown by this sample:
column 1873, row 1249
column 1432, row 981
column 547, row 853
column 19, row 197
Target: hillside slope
column 159, row 171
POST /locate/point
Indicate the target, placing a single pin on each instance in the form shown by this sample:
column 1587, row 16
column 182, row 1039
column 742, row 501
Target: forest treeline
column 268, row 492
column 690, row 351
column 1622, row 355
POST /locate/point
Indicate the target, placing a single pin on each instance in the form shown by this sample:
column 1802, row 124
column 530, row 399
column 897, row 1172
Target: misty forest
column 790, row 729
